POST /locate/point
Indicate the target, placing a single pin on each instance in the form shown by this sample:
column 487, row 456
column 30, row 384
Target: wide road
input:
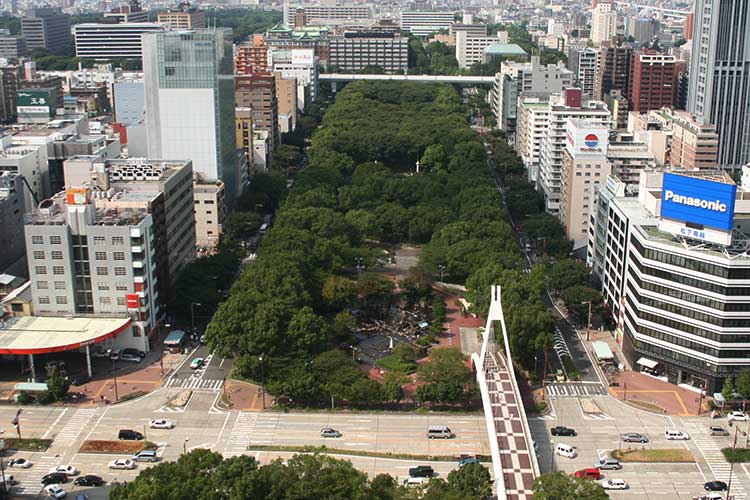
column 202, row 425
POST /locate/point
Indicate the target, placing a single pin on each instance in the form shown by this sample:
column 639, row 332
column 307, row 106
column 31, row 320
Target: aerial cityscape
column 375, row 250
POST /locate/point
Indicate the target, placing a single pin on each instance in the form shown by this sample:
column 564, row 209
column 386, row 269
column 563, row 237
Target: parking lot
column 599, row 434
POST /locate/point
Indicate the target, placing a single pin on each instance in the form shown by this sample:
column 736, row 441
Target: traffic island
column 324, row 450
column 27, row 444
column 665, row 455
column 116, row 447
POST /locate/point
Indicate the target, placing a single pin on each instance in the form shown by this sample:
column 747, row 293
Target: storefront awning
column 41, row 335
column 648, row 363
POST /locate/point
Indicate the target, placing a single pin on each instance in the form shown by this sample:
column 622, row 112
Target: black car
column 80, row 380
column 715, row 486
column 421, row 471
column 563, row 431
column 129, row 435
column 134, row 352
column 88, row 480
column 54, row 478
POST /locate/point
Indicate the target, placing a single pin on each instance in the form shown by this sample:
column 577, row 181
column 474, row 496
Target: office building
column 38, row 104
column 209, row 211
column 183, row 18
column 695, row 145
column 327, row 14
column 531, row 127
column 10, row 77
column 161, row 188
column 471, row 30
column 603, row 22
column 85, row 261
column 131, row 13
column 562, row 107
column 128, row 99
column 12, row 47
column 470, row 48
column 675, row 274
column 355, row 51
column 300, row 64
column 614, row 69
column 111, row 41
column 192, row 67
column 629, row 158
column 243, row 131
column 309, row 37
column 719, row 75
column 286, row 99
column 641, row 29
column 258, row 92
column 653, row 82
column 584, row 167
column 422, row 23
column 92, row 99
column 251, row 56
column 12, row 209
column 584, row 63
column 47, row 28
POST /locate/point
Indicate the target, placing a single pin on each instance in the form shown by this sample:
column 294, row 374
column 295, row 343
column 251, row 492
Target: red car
column 589, row 473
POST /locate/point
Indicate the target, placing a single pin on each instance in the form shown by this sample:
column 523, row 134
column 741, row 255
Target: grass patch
column 116, row 447
column 27, row 444
column 666, row 455
column 570, row 368
column 737, row 455
column 395, row 363
column 131, row 395
column 647, row 406
column 361, row 453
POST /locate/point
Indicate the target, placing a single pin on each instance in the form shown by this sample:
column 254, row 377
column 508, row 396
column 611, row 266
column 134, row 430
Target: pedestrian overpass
column 514, row 461
column 460, row 79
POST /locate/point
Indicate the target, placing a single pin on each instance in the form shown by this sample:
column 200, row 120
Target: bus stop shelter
column 602, row 352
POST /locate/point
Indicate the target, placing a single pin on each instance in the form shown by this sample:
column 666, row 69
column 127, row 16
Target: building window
column 40, row 269
column 43, row 299
column 103, row 286
column 42, row 285
column 37, row 240
column 102, row 271
column 100, row 240
column 57, row 254
column 119, row 271
column 100, row 255
column 119, row 255
column 55, row 240
column 58, row 270
column 121, row 301
column 38, row 254
column 118, row 240
column 136, row 331
column 61, row 300
column 105, row 301
column 122, row 287
column 60, row 285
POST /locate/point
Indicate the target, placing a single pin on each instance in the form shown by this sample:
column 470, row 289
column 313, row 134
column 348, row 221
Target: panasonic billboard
column 698, row 201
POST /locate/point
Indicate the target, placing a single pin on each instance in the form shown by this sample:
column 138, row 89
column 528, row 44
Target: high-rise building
column 695, row 145
column 641, row 29
column 183, row 18
column 47, row 28
column 286, row 99
column 131, row 13
column 334, row 14
column 720, row 75
column 243, row 130
column 300, row 64
column 12, row 209
column 110, row 41
column 355, row 51
column 470, row 48
column 188, row 88
column 251, row 56
column 653, row 81
column 12, row 47
column 128, row 99
column 531, row 127
column 603, row 22
column 421, row 23
column 209, row 211
column 614, row 69
column 257, row 91
column 10, row 77
column 584, row 63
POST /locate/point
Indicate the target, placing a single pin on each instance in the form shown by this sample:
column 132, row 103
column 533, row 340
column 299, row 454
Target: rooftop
column 39, row 335
column 504, row 49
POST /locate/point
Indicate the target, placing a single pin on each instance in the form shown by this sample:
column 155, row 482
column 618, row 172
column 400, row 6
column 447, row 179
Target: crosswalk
column 239, row 439
column 715, row 460
column 195, row 383
column 575, row 389
column 73, row 428
column 30, row 485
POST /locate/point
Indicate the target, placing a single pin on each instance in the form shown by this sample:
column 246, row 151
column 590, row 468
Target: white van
column 674, row 434
column 565, row 450
column 439, row 432
column 415, row 481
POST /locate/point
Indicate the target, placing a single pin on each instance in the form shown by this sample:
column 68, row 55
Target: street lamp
column 588, row 328
column 192, row 314
column 17, row 423
column 262, row 383
column 360, row 262
column 184, row 445
column 442, row 270
column 114, row 376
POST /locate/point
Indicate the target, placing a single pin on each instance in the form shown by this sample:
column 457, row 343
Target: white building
column 603, row 22
column 532, row 118
column 423, row 23
column 111, row 41
column 584, row 63
column 470, row 48
column 300, row 64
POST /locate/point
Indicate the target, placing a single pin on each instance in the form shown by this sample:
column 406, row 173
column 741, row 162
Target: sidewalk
column 246, row 396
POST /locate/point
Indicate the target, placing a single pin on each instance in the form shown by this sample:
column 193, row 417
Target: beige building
column 243, row 133
column 183, row 19
column 603, row 22
column 584, row 167
column 286, row 101
column 209, row 211
column 695, row 145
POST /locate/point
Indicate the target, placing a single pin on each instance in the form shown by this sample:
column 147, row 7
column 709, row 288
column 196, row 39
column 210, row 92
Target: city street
column 599, row 434
column 202, row 425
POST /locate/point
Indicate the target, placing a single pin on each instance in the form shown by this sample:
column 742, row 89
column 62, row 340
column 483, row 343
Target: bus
column 175, row 340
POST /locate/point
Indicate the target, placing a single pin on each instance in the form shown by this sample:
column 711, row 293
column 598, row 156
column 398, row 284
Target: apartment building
column 111, row 41
column 355, row 51
column 257, row 91
column 422, row 23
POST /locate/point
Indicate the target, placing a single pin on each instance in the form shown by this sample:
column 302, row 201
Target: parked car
column 614, row 484
column 674, row 435
column 634, row 437
column 563, row 431
column 54, row 491
column 715, row 486
column 565, row 450
column 88, row 480
column 19, row 463
column 54, row 478
column 717, row 430
column 466, row 460
column 129, row 435
column 196, row 363
column 130, row 358
column 64, row 469
column 421, row 471
column 736, row 416
column 134, row 352
column 145, row 456
column 161, row 423
column 122, row 463
column 589, row 473
column 710, row 496
column 608, row 464
column 329, row 432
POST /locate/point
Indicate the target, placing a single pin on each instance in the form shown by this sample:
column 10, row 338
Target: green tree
column 57, row 385
column 445, row 376
column 308, row 331
column 240, row 225
column 742, row 384
column 576, row 298
column 727, row 390
column 434, row 158
column 559, row 486
column 343, row 325
column 471, row 479
column 566, row 273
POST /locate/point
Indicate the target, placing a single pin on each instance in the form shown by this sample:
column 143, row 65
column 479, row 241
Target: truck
column 175, row 340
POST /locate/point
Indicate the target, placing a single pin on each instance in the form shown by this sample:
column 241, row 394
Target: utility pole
column 731, row 464
column 262, row 383
column 192, row 315
column 588, row 327
column 114, row 376
column 700, row 399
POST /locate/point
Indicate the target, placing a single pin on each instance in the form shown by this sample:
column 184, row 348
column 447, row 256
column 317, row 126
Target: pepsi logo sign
column 591, row 140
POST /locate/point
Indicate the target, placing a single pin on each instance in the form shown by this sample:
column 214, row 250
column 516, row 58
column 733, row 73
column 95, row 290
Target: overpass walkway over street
column 514, row 460
column 350, row 77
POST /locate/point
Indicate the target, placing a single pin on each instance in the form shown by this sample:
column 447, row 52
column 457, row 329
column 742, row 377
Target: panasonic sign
column 698, row 201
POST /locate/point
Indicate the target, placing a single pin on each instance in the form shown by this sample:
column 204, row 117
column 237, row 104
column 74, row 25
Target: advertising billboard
column 302, row 56
column 33, row 101
column 586, row 139
column 698, row 201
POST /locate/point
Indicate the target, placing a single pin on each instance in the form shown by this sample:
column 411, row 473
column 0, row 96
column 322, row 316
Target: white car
column 65, row 469
column 122, row 463
column 675, row 435
column 20, row 463
column 161, row 424
column 614, row 484
column 55, row 491
column 736, row 416
column 196, row 363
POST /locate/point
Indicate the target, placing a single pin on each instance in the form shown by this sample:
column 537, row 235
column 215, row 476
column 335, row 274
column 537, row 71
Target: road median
column 357, row 453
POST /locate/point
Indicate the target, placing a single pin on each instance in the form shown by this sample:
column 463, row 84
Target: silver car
column 329, row 432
